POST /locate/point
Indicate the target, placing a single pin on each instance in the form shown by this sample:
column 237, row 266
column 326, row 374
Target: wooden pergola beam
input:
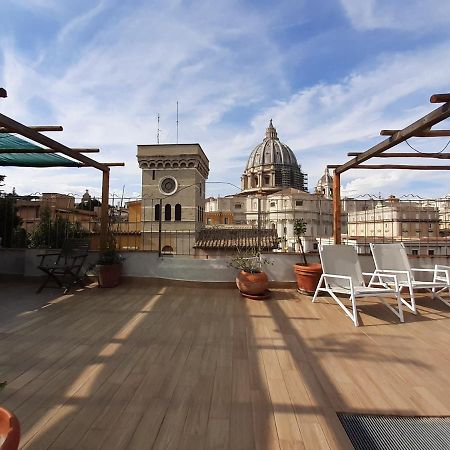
column 17, row 127
column 35, row 128
column 393, row 166
column 440, row 98
column 114, row 164
column 425, row 133
column 407, row 155
column 47, row 150
column 424, row 123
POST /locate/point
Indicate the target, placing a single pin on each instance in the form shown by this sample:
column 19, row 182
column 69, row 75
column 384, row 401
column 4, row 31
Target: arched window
column 168, row 212
column 157, row 211
column 177, row 211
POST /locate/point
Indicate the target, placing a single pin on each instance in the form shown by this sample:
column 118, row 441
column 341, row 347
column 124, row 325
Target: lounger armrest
column 380, row 276
column 405, row 272
column 423, row 270
column 441, row 273
column 48, row 254
column 328, row 277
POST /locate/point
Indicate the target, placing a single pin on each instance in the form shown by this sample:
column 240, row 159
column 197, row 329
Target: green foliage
column 110, row 255
column 52, row 233
column 10, row 222
column 89, row 205
column 249, row 261
column 299, row 231
column 299, row 228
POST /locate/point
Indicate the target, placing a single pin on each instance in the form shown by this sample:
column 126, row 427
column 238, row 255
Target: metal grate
column 370, row 432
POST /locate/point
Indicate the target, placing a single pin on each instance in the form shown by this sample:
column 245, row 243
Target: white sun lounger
column 392, row 258
column 342, row 275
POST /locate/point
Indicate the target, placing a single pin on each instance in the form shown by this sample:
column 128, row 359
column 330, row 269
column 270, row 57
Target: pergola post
column 337, row 208
column 104, row 210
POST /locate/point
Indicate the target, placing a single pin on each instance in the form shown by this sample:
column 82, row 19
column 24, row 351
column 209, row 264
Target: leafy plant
column 250, row 261
column 10, row 234
column 52, row 233
column 299, row 231
column 110, row 255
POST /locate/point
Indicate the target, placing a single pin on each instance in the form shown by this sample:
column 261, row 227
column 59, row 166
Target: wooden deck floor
column 149, row 365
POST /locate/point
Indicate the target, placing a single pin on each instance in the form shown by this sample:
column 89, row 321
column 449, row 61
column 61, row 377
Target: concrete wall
column 148, row 264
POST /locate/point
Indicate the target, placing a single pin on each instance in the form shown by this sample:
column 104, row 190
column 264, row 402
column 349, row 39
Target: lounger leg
column 400, row 309
column 413, row 300
column 317, row 289
column 354, row 310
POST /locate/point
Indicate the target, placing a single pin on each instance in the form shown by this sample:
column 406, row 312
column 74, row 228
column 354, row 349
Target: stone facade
column 173, row 184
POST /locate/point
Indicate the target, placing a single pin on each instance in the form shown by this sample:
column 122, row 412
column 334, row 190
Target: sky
column 330, row 73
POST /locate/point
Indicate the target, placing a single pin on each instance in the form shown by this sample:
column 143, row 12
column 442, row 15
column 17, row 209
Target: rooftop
column 156, row 365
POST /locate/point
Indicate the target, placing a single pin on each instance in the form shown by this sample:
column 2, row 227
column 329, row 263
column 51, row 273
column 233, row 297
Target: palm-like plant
column 299, row 231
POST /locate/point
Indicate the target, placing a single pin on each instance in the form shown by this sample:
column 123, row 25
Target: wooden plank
column 337, row 232
column 393, row 166
column 47, row 150
column 407, row 155
column 425, row 133
column 440, row 98
column 36, row 128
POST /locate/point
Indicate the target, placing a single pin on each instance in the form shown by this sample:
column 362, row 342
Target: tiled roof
column 236, row 238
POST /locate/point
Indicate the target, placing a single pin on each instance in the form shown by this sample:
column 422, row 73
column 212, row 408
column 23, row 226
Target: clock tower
column 173, row 191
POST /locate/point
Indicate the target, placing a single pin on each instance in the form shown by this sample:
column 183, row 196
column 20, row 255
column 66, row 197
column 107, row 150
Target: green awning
column 31, row 159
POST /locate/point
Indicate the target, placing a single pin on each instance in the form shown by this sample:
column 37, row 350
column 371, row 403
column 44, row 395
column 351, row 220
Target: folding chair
column 392, row 258
column 342, row 275
column 65, row 264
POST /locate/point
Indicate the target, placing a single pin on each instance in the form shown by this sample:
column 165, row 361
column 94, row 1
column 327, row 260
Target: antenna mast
column 157, row 132
column 177, row 122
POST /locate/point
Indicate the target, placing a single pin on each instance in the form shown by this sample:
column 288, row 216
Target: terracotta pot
column 308, row 276
column 9, row 430
column 253, row 284
column 109, row 274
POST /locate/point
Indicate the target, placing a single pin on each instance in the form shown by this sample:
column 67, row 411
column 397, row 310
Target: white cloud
column 214, row 60
column 401, row 15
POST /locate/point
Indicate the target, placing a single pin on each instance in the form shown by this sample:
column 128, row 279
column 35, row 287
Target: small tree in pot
column 109, row 264
column 307, row 275
column 251, row 281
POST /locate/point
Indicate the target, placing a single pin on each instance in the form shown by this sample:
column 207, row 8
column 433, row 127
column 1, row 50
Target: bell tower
column 173, row 188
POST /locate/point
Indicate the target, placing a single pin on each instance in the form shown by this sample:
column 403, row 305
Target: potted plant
column 307, row 275
column 251, row 281
column 109, row 264
column 9, row 428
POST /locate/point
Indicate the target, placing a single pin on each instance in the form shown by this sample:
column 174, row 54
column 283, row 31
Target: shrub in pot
column 251, row 281
column 307, row 275
column 109, row 264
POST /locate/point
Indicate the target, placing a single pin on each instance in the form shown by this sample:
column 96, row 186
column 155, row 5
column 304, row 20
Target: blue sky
column 330, row 73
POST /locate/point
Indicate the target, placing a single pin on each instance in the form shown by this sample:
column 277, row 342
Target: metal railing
column 423, row 225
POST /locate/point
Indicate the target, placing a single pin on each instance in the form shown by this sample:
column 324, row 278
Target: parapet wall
column 150, row 265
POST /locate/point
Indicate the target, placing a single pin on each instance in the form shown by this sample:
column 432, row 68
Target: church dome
column 324, row 186
column 272, row 166
column 271, row 151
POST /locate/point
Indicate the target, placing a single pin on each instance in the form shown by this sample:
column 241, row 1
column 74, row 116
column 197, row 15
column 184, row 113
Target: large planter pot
column 9, row 430
column 108, row 275
column 307, row 276
column 253, row 285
